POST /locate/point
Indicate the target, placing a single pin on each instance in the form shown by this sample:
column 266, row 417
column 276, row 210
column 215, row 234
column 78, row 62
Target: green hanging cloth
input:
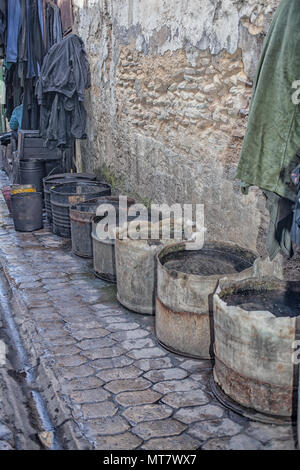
column 269, row 152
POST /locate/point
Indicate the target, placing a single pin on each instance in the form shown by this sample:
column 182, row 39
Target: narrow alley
column 104, row 380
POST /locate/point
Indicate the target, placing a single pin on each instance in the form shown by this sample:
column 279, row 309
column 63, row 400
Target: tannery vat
column 104, row 249
column 136, row 270
column 52, row 180
column 81, row 216
column 65, row 195
column 256, row 323
column 186, row 281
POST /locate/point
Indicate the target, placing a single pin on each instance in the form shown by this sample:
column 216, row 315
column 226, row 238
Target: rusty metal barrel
column 61, row 178
column 136, row 270
column 63, row 196
column 186, row 281
column 104, row 248
column 256, row 364
column 81, row 216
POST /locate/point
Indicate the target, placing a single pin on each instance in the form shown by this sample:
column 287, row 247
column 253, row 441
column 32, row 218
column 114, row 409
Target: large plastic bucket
column 27, row 211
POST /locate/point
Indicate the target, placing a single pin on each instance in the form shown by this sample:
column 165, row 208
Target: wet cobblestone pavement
column 106, row 381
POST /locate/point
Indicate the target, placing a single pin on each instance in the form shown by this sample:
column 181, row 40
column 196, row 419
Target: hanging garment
column 22, row 44
column 57, row 28
column 35, row 47
column 13, row 29
column 60, row 90
column 3, row 26
column 41, row 16
column 31, row 113
column 53, row 26
column 13, row 89
column 269, row 152
column 279, row 232
column 49, row 26
column 65, row 69
column 25, row 50
column 295, row 231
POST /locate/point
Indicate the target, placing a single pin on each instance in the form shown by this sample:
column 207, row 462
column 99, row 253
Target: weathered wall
column 167, row 110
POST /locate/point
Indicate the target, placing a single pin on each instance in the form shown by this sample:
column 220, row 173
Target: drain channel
column 24, row 362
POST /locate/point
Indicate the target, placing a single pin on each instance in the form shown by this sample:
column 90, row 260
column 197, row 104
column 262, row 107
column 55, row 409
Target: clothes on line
column 270, row 148
column 60, row 91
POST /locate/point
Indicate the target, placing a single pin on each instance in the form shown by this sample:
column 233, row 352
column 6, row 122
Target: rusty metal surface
column 171, row 327
column 182, row 293
column 81, row 217
column 249, row 413
column 63, row 196
column 104, row 250
column 253, row 353
column 104, row 258
column 263, row 397
column 61, row 178
column 81, row 229
column 136, row 268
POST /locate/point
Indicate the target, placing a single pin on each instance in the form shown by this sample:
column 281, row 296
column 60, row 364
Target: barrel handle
column 49, row 174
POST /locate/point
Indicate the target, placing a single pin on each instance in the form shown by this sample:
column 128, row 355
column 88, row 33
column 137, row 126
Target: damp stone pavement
column 106, row 381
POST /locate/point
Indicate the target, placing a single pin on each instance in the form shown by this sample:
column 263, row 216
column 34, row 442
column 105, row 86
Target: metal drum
column 27, row 211
column 61, row 178
column 63, row 196
column 186, row 281
column 32, row 172
column 136, row 271
column 256, row 361
column 104, row 249
column 81, row 217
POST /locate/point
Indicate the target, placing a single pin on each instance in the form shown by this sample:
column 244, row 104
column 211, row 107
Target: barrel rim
column 265, row 282
column 55, row 189
column 72, row 175
column 106, row 241
column 27, row 194
column 213, row 277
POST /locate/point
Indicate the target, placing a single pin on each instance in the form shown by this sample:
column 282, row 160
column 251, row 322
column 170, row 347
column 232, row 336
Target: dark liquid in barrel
column 280, row 303
column 205, row 262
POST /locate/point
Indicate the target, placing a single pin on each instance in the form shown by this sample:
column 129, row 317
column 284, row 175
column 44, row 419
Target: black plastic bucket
column 61, row 178
column 27, row 211
column 63, row 196
column 32, row 172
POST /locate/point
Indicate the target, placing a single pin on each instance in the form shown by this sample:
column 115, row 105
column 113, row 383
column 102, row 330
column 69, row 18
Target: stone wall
column 168, row 106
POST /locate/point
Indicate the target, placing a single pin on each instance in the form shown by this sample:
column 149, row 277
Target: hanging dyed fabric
column 3, row 27
column 60, row 90
column 269, row 152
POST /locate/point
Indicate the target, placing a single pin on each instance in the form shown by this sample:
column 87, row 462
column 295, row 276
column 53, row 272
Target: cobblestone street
column 106, row 381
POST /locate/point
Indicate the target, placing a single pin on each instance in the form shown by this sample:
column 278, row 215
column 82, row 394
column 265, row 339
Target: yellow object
column 22, row 188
